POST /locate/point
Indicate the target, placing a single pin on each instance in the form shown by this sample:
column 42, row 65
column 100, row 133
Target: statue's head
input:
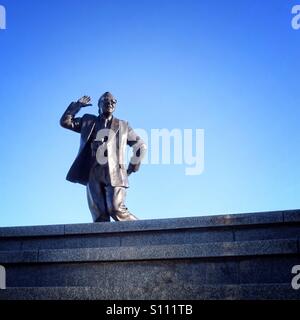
column 107, row 104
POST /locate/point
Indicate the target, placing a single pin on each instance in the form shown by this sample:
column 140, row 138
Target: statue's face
column 107, row 105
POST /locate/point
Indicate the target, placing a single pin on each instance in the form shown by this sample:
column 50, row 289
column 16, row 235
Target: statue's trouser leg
column 96, row 196
column 115, row 200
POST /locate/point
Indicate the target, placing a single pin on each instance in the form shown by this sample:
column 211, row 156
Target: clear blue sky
column 226, row 66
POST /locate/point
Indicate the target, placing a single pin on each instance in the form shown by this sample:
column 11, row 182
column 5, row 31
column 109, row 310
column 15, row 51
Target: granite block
column 206, row 250
column 178, row 223
column 7, row 257
column 186, row 292
column 291, row 216
column 10, row 244
column 267, row 269
column 161, row 237
column 283, row 231
column 32, row 231
column 69, row 242
column 131, row 274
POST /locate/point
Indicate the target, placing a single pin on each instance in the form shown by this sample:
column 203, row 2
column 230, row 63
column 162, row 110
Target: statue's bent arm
column 139, row 150
column 68, row 120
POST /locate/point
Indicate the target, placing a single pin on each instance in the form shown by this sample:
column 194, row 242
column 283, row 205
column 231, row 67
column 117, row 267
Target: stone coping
column 219, row 221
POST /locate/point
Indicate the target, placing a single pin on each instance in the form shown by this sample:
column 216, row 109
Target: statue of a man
column 100, row 161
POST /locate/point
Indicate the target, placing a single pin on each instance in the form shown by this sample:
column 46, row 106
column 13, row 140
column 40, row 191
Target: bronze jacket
column 121, row 135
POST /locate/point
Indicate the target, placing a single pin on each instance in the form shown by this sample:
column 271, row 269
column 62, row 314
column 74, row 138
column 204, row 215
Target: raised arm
column 68, row 120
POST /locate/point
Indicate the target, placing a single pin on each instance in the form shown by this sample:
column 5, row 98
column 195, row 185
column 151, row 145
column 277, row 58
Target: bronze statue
column 100, row 161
